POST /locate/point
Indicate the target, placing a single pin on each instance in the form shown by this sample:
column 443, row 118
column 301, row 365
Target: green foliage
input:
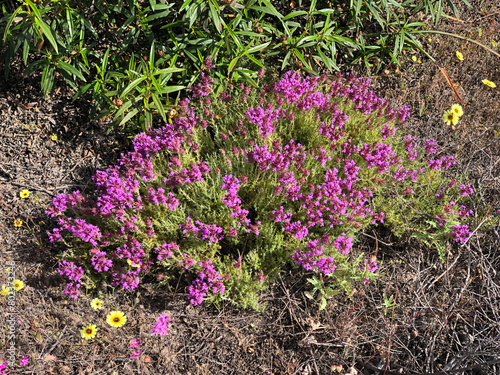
column 140, row 40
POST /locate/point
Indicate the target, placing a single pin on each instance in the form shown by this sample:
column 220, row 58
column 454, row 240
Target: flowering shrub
column 240, row 183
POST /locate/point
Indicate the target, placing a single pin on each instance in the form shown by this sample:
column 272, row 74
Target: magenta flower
column 161, row 325
column 24, row 361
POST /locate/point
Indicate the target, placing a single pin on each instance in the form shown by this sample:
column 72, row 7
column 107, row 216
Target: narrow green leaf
column 325, row 59
column 71, row 70
column 9, row 22
column 168, row 70
column 151, row 60
column 254, row 60
column 123, row 108
column 232, row 65
column 48, row 33
column 214, row 14
column 132, row 85
column 47, row 79
column 294, row 14
column 159, row 107
column 129, row 116
column 313, row 6
column 169, row 89
column 26, row 50
column 257, row 48
column 285, row 60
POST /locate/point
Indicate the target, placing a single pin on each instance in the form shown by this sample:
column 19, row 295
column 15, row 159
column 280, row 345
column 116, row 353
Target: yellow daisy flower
column 5, row 291
column 489, row 83
column 96, row 304
column 116, row 319
column 18, row 223
column 54, row 137
column 88, row 332
column 459, row 56
column 450, row 117
column 414, row 58
column 18, row 285
column 457, row 109
column 24, row 193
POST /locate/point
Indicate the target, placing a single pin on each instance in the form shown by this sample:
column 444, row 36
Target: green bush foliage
column 129, row 56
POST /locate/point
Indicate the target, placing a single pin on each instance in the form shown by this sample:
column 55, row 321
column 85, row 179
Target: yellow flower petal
column 457, row 109
column 24, row 193
column 116, row 319
column 18, row 285
column 96, row 304
column 88, row 332
column 489, row 83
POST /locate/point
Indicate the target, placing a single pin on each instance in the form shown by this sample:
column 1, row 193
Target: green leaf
column 159, row 106
column 47, row 79
column 214, row 14
column 151, row 60
column 9, row 22
column 294, row 14
column 232, row 65
column 322, row 304
column 254, row 60
column 257, row 48
column 129, row 116
column 132, row 85
column 169, row 89
column 71, row 70
column 285, row 60
column 48, row 33
column 313, row 6
column 168, row 70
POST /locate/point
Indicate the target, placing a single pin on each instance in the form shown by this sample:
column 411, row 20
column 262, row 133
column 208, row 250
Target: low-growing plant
column 239, row 184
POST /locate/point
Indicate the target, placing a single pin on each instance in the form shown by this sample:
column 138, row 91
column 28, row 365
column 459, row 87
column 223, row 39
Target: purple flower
column 24, row 361
column 161, row 325
column 461, row 233
column 134, row 342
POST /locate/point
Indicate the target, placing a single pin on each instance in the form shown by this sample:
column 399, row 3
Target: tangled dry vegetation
column 441, row 319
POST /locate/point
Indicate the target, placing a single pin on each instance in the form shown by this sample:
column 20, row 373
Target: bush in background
column 129, row 57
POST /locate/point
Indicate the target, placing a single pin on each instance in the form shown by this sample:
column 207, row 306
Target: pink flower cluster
column 208, row 279
column 161, row 326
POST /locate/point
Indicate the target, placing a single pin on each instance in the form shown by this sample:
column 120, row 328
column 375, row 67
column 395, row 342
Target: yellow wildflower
column 54, row 137
column 24, row 193
column 96, row 304
column 459, row 56
column 450, row 117
column 5, row 291
column 18, row 285
column 489, row 83
column 116, row 319
column 18, row 223
column 414, row 58
column 88, row 332
column 457, row 108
